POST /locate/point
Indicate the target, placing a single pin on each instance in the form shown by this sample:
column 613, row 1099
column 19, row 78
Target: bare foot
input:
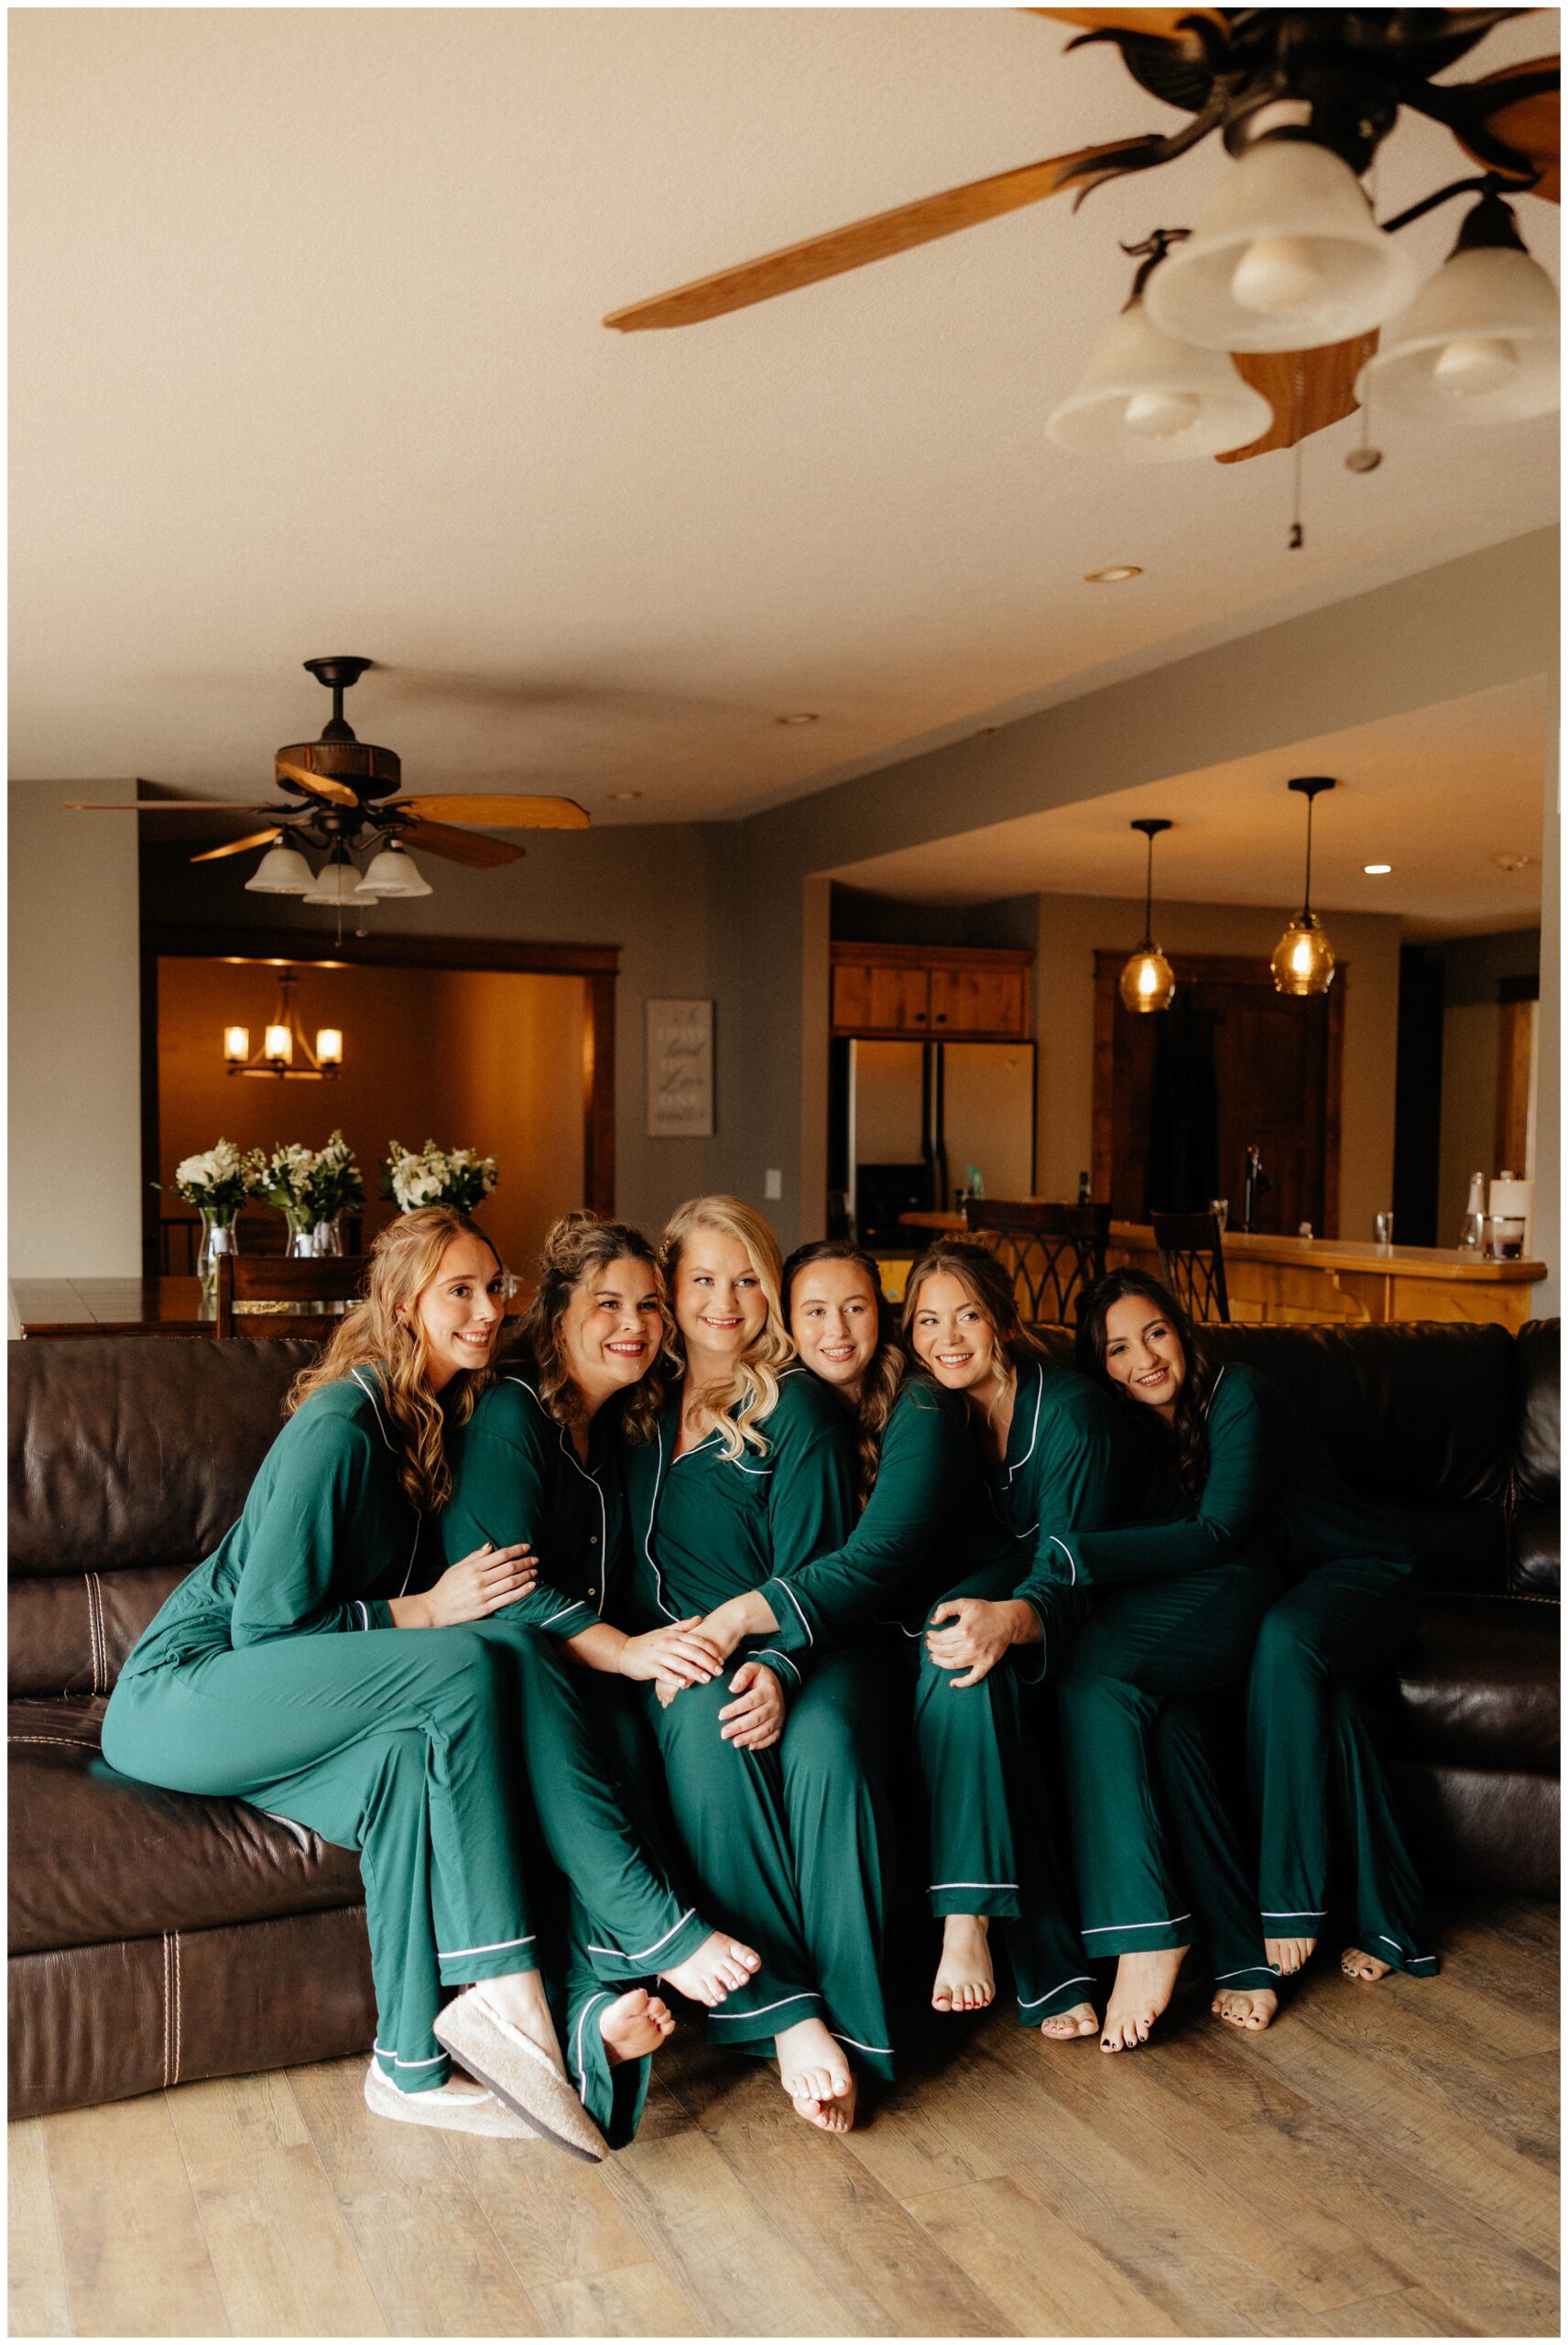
column 965, row 1979
column 1063, row 2026
column 1356, row 1965
column 816, row 2074
column 635, row 2025
column 521, row 2000
column 1251, row 2008
column 719, row 1965
column 1144, row 1985
column 1288, row 1955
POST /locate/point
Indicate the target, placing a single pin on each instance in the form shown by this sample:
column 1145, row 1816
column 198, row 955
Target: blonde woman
column 751, row 1474
column 293, row 1669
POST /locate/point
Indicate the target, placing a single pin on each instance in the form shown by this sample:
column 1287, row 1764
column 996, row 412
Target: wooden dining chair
column 303, row 1292
column 1192, row 1263
column 1055, row 1252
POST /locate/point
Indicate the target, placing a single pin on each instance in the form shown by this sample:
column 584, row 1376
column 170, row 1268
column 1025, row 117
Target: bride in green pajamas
column 1252, row 1467
column 750, row 1476
column 925, row 1513
column 294, row 1669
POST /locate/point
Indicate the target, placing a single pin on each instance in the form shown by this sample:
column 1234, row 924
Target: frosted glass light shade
column 1148, row 980
column 237, row 1044
column 1480, row 344
column 1287, row 257
column 1303, row 961
column 277, row 1043
column 329, row 1046
column 1146, row 399
column 393, row 872
column 282, row 871
column 335, row 885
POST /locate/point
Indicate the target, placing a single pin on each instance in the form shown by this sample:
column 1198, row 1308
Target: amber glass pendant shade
column 1148, row 980
column 1303, row 958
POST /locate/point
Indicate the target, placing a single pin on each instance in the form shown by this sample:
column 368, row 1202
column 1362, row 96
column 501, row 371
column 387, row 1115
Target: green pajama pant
column 991, row 1848
column 394, row 1742
column 1310, row 1757
column 1193, row 1775
column 1145, row 1642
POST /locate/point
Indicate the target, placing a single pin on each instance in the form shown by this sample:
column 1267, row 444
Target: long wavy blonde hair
column 743, row 1398
column 576, row 1246
column 384, row 1332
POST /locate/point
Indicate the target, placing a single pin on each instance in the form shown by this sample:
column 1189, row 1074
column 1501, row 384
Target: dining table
column 133, row 1306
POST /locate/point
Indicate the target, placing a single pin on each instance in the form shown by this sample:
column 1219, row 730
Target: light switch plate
column 773, row 1184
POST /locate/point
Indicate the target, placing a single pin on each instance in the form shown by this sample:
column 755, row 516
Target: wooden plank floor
column 1382, row 2163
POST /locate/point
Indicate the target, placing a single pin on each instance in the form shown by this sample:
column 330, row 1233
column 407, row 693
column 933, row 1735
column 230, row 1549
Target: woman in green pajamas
column 1065, row 1467
column 924, row 1512
column 294, row 1669
column 537, row 1465
column 750, row 1476
column 1250, row 1467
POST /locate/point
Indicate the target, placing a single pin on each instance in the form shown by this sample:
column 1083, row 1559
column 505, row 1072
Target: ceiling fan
column 344, row 797
column 1331, row 81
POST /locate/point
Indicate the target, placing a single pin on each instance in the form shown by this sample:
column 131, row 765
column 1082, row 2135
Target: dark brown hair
column 885, row 1370
column 575, row 1246
column 987, row 1282
column 1188, row 1432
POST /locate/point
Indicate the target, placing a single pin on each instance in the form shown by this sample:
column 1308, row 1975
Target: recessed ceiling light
column 1511, row 862
column 1114, row 575
column 1376, row 870
column 806, row 716
column 619, row 797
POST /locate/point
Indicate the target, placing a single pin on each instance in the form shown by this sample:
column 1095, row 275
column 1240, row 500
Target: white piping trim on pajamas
column 934, row 1885
column 576, row 1604
column 570, row 1454
column 1290, row 1913
column 1034, row 1429
column 805, row 1996
column 358, row 1606
column 796, row 1602
column 1067, row 1551
column 647, row 1534
column 856, row 2041
column 1079, row 1979
column 642, row 1952
column 1242, row 1971
column 414, row 1549
column 356, row 1378
column 602, row 1997
column 456, row 1953
column 382, row 2053
column 1103, row 1929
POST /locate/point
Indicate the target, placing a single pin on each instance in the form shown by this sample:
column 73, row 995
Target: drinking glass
column 1503, row 1236
column 1383, row 1228
column 1220, row 1208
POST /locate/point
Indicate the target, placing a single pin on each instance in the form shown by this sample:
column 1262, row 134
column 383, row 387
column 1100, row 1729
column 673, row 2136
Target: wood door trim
column 1210, row 968
column 935, row 957
column 598, row 965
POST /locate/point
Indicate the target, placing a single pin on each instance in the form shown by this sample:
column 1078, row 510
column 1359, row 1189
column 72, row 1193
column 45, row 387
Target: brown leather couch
column 155, row 1937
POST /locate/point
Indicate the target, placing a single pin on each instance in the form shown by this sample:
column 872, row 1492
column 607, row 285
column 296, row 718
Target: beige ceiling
column 305, row 357
column 1437, row 794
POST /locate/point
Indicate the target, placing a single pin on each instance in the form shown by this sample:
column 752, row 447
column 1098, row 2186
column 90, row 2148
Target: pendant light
column 1303, row 961
column 1148, row 981
column 1480, row 344
column 336, row 882
column 1149, row 400
column 393, row 872
column 283, row 1051
column 282, row 871
column 1287, row 257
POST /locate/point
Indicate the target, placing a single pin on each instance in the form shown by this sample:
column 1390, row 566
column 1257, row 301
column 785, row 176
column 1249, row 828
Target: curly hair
column 1187, row 1436
column 574, row 1247
column 873, row 1406
column 740, row 1401
column 385, row 1331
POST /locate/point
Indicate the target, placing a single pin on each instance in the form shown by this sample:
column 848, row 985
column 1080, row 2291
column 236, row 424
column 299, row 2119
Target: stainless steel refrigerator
column 909, row 1119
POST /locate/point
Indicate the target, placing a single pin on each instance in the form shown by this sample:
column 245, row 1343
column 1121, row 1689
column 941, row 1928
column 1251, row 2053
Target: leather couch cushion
column 1534, row 1562
column 72, row 1636
column 1480, row 1686
column 138, row 1450
column 1481, row 1828
column 96, row 1857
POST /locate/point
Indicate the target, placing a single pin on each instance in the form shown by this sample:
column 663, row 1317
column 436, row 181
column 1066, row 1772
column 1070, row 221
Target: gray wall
column 1471, row 968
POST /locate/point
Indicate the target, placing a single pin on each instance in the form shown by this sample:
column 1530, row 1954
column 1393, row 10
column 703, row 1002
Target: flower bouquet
column 217, row 1183
column 310, row 1187
column 437, row 1176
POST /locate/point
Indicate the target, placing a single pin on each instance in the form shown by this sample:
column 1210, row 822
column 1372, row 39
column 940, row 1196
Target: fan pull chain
column 1298, row 534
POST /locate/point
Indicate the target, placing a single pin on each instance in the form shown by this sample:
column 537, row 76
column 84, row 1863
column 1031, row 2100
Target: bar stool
column 1192, row 1263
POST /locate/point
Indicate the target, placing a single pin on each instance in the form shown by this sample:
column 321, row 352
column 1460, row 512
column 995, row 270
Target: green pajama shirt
column 976, row 1749
column 794, row 1842
column 273, row 1673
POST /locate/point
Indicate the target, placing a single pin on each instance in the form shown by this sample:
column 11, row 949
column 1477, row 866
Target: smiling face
column 612, row 1326
column 833, row 1319
column 460, row 1311
column 1143, row 1353
column 952, row 1336
column 719, row 1304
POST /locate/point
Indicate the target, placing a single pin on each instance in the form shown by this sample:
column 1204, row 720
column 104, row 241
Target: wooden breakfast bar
column 134, row 1306
column 1318, row 1280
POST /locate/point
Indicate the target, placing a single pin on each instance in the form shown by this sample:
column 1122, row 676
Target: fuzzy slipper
column 454, row 2113
column 507, row 2063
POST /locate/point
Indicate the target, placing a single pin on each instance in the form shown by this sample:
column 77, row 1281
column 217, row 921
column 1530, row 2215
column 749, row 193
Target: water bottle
column 1474, row 1213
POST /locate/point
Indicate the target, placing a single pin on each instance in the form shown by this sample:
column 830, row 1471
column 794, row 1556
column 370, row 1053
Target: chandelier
column 283, row 1050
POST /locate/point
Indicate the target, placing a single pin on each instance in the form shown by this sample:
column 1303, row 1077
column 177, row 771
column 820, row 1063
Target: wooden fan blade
column 1322, row 393
column 463, row 846
column 1531, row 127
column 508, row 814
column 852, row 247
column 319, row 785
column 1155, row 24
column 237, row 846
column 163, row 806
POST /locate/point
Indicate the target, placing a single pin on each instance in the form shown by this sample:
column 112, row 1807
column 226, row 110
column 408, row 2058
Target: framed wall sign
column 680, row 1069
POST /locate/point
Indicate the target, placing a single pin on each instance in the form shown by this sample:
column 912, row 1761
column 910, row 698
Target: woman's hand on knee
column 975, row 1636
column 755, row 1719
column 482, row 1582
column 679, row 1652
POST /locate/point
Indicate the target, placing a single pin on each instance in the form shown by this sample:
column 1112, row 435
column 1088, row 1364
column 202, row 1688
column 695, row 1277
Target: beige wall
column 74, row 1079
column 514, row 1049
column 1074, row 928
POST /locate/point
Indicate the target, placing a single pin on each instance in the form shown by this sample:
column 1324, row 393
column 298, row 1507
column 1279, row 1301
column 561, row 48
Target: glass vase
column 315, row 1240
column 219, row 1237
